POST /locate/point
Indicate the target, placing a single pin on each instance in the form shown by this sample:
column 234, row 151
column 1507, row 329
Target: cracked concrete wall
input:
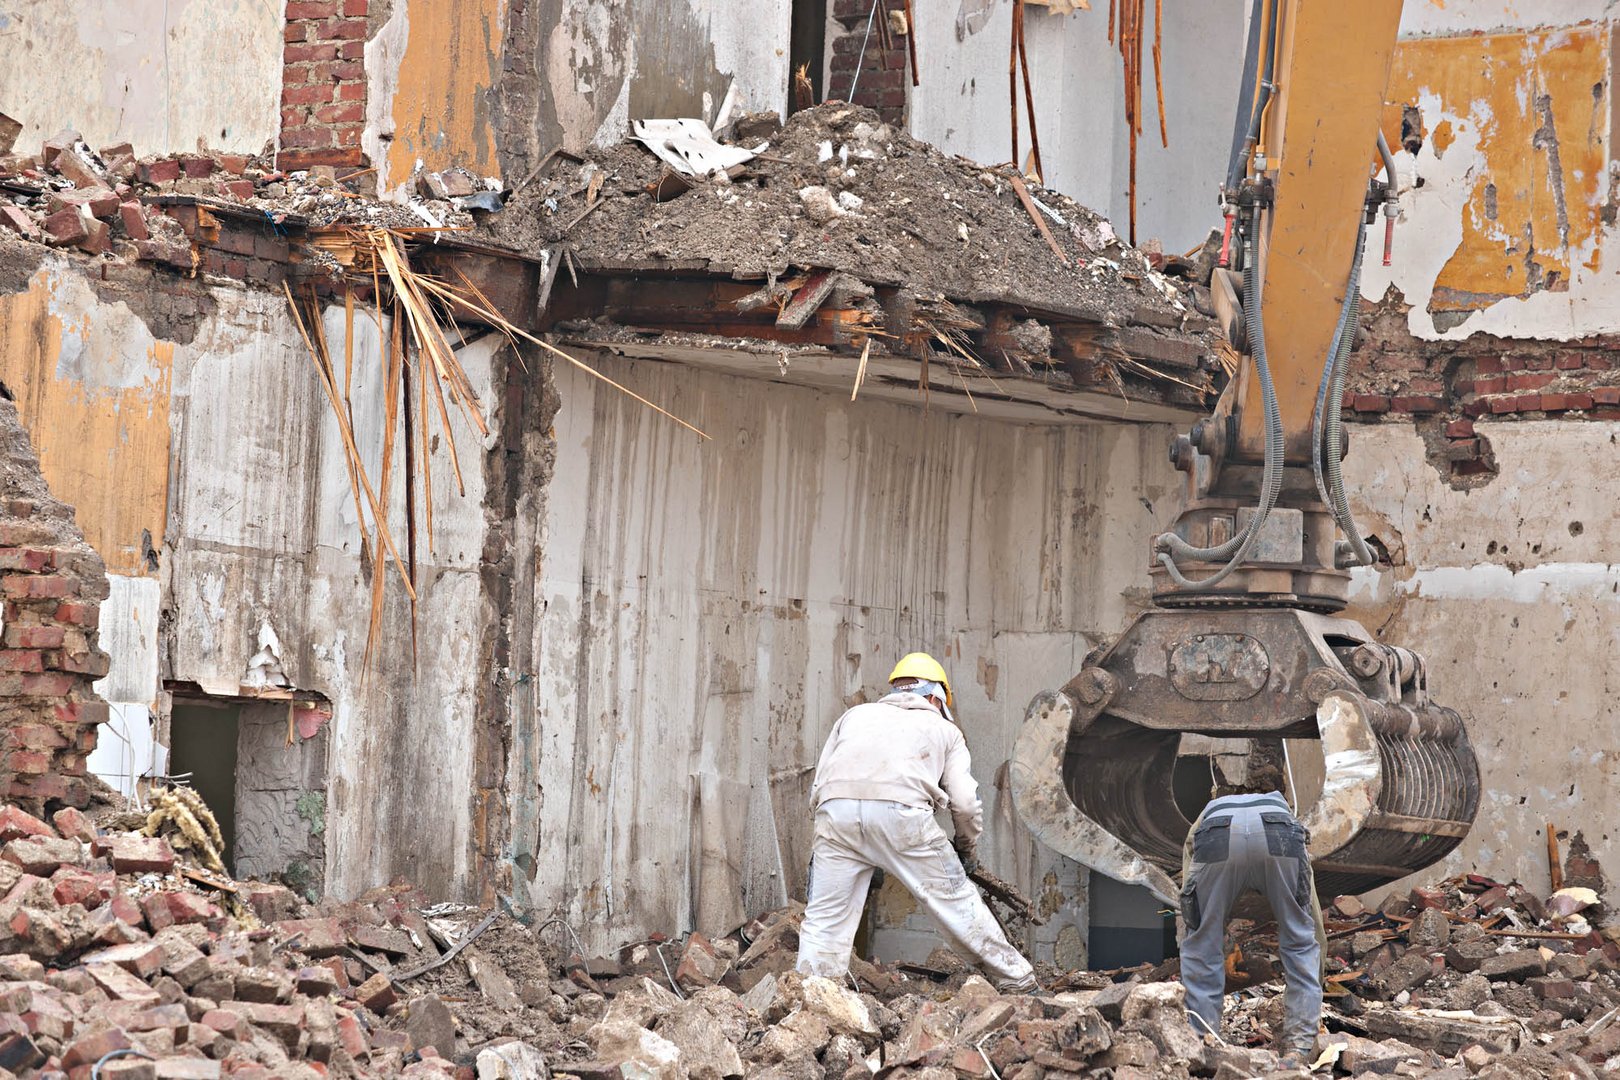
column 1511, row 592
column 209, row 469
column 706, row 612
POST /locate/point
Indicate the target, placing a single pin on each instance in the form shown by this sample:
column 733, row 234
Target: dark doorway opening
column 203, row 738
column 807, row 46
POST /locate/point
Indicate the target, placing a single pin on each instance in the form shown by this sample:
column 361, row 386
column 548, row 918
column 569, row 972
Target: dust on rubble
column 118, row 942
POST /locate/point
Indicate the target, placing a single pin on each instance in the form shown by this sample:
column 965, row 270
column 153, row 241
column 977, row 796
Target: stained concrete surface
column 1511, row 592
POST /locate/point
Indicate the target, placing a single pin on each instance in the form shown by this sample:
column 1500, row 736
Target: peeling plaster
column 1505, row 235
column 92, row 387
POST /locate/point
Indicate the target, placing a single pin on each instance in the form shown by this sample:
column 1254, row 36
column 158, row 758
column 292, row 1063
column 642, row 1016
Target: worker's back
column 897, row 749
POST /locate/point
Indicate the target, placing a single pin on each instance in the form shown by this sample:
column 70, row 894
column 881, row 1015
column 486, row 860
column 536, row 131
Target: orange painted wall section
column 1539, row 102
column 104, row 400
column 442, row 107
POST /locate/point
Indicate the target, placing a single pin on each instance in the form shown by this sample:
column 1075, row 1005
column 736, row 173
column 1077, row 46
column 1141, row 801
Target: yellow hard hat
column 919, row 665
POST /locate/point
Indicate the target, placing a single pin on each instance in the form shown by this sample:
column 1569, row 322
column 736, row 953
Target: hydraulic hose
column 1170, row 545
column 1327, row 421
column 1245, row 135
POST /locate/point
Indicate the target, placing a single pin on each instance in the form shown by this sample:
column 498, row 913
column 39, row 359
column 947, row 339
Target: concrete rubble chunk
column 10, row 128
column 842, row 1009
column 1431, row 928
column 1514, row 966
column 708, row 1050
column 641, row 1054
column 1409, row 972
column 511, row 1061
column 428, row 1022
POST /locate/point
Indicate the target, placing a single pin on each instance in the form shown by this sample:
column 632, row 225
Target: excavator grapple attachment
column 1091, row 772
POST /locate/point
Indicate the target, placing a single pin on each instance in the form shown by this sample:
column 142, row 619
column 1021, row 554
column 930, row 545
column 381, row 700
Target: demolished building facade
column 630, row 641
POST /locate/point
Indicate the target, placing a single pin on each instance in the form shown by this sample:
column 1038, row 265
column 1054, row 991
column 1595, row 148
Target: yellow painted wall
column 444, row 95
column 92, row 386
column 1539, row 100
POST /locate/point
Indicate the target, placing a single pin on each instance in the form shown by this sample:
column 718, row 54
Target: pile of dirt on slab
column 837, row 188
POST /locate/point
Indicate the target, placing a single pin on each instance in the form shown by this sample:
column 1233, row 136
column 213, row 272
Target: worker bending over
column 1247, row 839
column 887, row 767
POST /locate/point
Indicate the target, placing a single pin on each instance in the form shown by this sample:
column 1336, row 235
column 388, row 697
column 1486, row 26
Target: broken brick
column 71, row 822
column 134, row 221
column 120, row 984
column 17, row 219
column 164, row 171
column 1514, row 966
column 376, row 993
column 92, row 1048
column 132, row 854
column 313, row 937
column 142, row 958
column 167, row 908
column 16, row 822
column 42, row 855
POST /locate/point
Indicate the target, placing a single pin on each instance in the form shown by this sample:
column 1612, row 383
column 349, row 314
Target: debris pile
column 102, row 201
column 123, row 955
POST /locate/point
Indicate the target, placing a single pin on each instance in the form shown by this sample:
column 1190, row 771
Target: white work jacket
column 900, row 749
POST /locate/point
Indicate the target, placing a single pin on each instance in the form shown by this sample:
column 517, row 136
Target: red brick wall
column 51, row 587
column 884, row 74
column 323, row 84
column 1455, row 390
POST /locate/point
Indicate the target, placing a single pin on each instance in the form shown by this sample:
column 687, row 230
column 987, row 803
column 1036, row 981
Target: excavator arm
column 1243, row 640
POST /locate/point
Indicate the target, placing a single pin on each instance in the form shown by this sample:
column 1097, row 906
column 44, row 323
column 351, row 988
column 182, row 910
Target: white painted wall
column 961, row 105
column 167, row 77
column 708, row 611
column 1511, row 592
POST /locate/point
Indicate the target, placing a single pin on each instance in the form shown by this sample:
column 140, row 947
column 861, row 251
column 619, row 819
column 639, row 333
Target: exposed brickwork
column 884, row 75
column 323, row 83
column 1448, row 386
column 51, row 586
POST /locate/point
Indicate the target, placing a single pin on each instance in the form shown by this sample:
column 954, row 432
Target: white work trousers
column 855, row 836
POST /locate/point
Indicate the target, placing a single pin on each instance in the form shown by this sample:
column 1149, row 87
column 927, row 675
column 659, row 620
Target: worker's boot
column 1027, row 985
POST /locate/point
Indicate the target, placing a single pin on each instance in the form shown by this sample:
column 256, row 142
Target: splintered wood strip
column 427, row 453
column 1029, row 90
column 911, row 43
column 860, row 369
column 1012, row 79
column 1158, row 66
column 330, row 387
column 513, row 331
column 345, row 423
column 429, row 339
column 410, row 489
column 391, row 401
column 1034, row 213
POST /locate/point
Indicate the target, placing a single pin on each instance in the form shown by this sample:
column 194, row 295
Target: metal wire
column 861, row 59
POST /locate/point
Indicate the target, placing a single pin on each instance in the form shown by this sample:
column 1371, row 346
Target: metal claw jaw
column 1090, row 773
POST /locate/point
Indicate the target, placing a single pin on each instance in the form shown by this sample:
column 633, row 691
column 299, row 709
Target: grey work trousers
column 1233, row 851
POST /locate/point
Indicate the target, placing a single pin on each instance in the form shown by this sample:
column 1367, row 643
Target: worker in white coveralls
column 887, row 767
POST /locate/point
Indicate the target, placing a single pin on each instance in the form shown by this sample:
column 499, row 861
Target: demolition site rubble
column 127, row 953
